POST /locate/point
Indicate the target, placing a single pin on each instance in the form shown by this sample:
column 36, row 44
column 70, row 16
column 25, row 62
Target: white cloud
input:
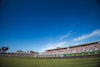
column 78, row 43
column 66, row 35
column 93, row 33
column 53, row 46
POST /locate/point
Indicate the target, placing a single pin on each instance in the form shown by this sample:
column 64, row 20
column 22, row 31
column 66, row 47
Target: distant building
column 20, row 51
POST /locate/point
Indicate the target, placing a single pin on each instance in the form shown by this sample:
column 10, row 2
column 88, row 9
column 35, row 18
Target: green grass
column 27, row 62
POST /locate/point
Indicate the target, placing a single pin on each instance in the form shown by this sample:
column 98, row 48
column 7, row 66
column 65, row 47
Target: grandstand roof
column 57, row 49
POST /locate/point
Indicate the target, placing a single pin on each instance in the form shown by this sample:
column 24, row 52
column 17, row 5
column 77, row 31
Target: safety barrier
column 79, row 54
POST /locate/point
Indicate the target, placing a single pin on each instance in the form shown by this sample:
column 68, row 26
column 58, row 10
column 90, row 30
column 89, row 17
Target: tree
column 31, row 51
column 5, row 48
column 0, row 49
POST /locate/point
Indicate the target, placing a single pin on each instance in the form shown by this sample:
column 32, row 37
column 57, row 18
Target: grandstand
column 83, row 49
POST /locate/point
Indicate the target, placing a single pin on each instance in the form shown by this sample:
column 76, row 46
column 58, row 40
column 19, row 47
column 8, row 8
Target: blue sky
column 39, row 25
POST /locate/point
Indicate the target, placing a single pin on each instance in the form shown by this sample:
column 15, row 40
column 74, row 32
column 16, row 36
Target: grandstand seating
column 84, row 49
